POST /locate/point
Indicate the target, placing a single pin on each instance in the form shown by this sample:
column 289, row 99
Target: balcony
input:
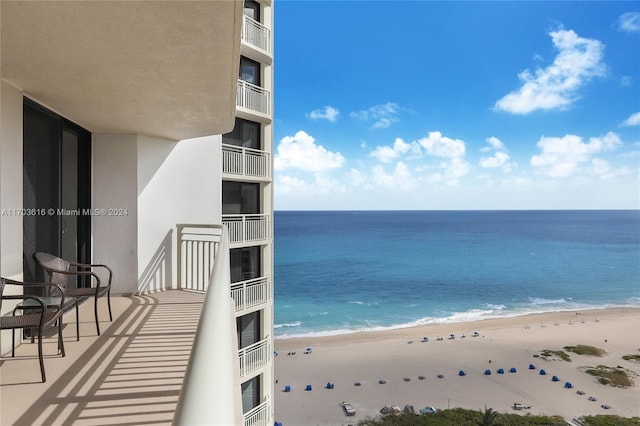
column 251, row 293
column 132, row 373
column 254, row 101
column 245, row 163
column 254, row 357
column 248, row 228
column 256, row 35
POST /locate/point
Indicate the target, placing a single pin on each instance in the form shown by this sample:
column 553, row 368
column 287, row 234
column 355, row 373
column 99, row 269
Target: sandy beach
column 410, row 368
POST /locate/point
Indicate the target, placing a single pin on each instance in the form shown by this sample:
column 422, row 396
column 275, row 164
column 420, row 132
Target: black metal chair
column 37, row 315
column 59, row 271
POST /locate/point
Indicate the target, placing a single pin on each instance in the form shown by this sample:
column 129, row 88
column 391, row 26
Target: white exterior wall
column 154, row 184
column 10, row 193
column 115, row 238
column 178, row 182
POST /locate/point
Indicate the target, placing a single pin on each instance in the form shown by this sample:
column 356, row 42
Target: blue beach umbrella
column 568, row 385
column 462, row 373
column 555, row 379
column 500, row 370
column 487, row 372
column 532, row 367
column 542, row 372
column 513, row 370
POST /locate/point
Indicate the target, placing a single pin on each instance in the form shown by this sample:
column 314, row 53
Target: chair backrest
column 2, row 282
column 52, row 264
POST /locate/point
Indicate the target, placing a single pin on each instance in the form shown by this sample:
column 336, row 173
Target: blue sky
column 456, row 105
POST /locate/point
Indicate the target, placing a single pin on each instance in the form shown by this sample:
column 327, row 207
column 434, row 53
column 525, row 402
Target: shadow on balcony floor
column 130, row 375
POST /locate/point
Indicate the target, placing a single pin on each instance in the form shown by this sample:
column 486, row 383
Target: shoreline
column 469, row 326
column 400, row 358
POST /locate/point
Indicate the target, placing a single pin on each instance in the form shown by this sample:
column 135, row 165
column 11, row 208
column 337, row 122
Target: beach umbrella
column 461, row 373
column 513, row 370
column 555, row 379
column 500, row 370
column 453, row 336
column 568, row 385
column 487, row 372
column 542, row 372
column 532, row 367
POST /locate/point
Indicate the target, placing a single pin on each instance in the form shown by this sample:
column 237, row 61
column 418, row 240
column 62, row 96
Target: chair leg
column 13, row 342
column 60, row 339
column 77, row 323
column 40, row 357
column 109, row 304
column 95, row 310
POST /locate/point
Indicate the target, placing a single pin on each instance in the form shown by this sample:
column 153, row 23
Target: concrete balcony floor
column 129, row 375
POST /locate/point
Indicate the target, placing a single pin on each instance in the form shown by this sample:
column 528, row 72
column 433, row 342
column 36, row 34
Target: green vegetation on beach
column 585, row 350
column 613, row 376
column 548, row 353
column 463, row 417
column 631, row 357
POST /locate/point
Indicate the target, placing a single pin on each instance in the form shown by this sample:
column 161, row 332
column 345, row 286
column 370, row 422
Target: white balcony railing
column 197, row 248
column 240, row 161
column 256, row 34
column 253, row 98
column 211, row 386
column 250, row 293
column 254, row 357
column 247, row 228
column 259, row 415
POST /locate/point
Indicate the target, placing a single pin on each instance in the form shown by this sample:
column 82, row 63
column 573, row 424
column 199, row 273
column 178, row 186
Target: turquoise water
column 340, row 272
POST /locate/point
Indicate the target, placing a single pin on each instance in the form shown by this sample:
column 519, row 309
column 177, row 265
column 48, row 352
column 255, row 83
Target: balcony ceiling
column 160, row 68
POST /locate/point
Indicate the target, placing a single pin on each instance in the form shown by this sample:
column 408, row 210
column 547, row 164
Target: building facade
column 247, row 207
column 120, row 122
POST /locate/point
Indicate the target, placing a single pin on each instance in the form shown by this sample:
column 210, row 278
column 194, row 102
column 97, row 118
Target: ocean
column 340, row 272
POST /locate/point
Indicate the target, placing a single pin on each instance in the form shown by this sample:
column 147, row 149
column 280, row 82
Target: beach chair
column 308, row 388
column 329, row 385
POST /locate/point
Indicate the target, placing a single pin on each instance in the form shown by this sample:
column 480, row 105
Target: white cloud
column 301, row 152
column 629, row 22
column 500, row 158
column 495, row 144
column 561, row 157
column 383, row 115
column 442, row 146
column 321, row 184
column 633, row 120
column 386, row 153
column 399, row 179
column 328, row 113
column 454, row 169
column 556, row 86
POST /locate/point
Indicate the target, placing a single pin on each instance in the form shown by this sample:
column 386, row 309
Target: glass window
column 250, row 394
column 240, row 198
column 252, row 10
column 249, row 71
column 245, row 263
column 245, row 133
column 248, row 329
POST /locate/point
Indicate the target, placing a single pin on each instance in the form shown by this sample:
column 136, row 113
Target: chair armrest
column 94, row 265
column 51, row 286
